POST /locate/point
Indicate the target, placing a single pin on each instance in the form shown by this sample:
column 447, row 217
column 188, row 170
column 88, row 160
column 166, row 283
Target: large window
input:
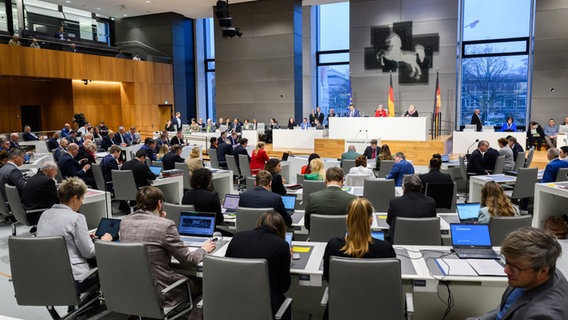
column 495, row 58
column 210, row 68
column 332, row 57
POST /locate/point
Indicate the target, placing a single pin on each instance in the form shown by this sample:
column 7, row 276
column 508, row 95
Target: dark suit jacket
column 29, row 137
column 410, row 205
column 52, row 144
column 149, row 152
column 117, row 140
column 14, row 145
column 240, row 150
column 277, row 185
column 175, row 140
column 369, row 152
column 489, row 159
column 10, row 174
column 320, row 116
column 107, row 165
column 141, row 172
column 516, row 149
column 70, row 167
column 223, row 149
column 204, row 201
column 475, row 163
column 262, row 198
column 264, row 243
column 39, row 192
column 475, row 119
column 331, row 200
column 106, row 143
column 434, row 176
column 169, row 160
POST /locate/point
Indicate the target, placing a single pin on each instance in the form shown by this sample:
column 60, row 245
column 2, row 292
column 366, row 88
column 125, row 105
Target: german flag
column 391, row 99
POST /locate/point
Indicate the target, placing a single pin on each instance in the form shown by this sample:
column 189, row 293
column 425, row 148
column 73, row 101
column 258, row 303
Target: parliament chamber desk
column 222, row 182
column 96, row 205
column 550, row 199
column 172, row 187
column 297, row 162
column 284, row 139
column 420, row 274
column 464, row 139
column 40, row 146
column 357, row 191
column 476, row 183
column 390, row 128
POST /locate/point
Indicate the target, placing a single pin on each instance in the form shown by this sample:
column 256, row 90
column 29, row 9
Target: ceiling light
column 125, row 14
column 148, row 1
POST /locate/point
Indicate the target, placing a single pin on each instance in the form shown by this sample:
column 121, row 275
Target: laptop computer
column 379, row 235
column 110, row 226
column 468, row 212
column 230, row 203
column 156, row 170
column 196, row 227
column 472, row 241
column 285, row 156
column 289, row 203
column 445, row 158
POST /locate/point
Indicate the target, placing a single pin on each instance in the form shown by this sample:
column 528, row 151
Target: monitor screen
column 196, row 224
column 470, row 234
column 468, row 211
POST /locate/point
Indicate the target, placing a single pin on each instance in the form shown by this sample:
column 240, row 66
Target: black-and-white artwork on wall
column 397, row 49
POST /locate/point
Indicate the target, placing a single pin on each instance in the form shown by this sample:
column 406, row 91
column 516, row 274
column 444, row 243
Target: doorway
column 31, row 116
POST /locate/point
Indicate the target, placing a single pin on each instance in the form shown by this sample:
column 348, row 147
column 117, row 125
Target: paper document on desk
column 455, row 267
column 487, row 267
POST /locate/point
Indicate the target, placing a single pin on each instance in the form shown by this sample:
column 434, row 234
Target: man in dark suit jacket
column 121, row 138
column 372, row 151
column 262, row 196
column 14, row 139
column 475, row 161
column 515, row 146
column 413, row 204
column 241, row 149
column 489, row 159
column 400, row 168
column 28, row 135
column 234, row 139
column 140, row 170
column 40, row 191
column 170, row 158
column 177, row 139
column 434, row 175
column 109, row 163
column 331, row 200
column 319, row 115
column 10, row 174
column 223, row 149
column 476, row 119
column 72, row 168
column 148, row 148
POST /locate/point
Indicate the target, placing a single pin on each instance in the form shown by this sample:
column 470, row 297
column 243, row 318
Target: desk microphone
column 366, row 134
column 357, row 135
column 471, row 145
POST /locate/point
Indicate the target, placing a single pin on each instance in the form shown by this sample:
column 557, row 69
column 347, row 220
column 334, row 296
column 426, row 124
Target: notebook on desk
column 468, row 212
column 289, row 203
column 196, row 227
column 472, row 241
column 230, row 203
column 156, row 170
column 110, row 226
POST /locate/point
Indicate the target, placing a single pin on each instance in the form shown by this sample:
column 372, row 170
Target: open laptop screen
column 156, row 170
column 470, row 235
column 201, row 224
column 289, row 202
column 231, row 202
column 468, row 211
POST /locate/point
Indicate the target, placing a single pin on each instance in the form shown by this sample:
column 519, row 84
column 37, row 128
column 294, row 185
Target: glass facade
column 210, row 67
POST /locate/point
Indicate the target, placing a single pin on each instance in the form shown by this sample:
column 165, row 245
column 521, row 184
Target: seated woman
column 306, row 168
column 434, row 175
column 149, row 225
column 495, row 203
column 381, row 112
column 317, row 170
column 411, row 112
column 194, row 162
column 267, row 241
column 384, row 154
column 258, row 158
column 213, row 143
column 506, row 151
column 509, row 126
column 358, row 242
column 273, row 166
column 291, row 123
column 201, row 194
column 162, row 152
column 63, row 220
column 361, row 167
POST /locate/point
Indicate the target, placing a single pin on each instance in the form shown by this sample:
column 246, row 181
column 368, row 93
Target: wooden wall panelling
column 60, row 107
column 98, row 101
column 329, row 148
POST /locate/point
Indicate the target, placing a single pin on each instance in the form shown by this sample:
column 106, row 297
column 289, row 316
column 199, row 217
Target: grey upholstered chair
column 213, row 158
column 379, row 192
column 324, row 227
column 406, row 231
column 174, row 210
column 247, row 218
column 500, row 227
column 17, row 208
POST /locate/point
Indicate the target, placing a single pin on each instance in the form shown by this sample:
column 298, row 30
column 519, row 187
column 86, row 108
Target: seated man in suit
column 241, row 149
column 109, row 163
column 262, row 196
column 10, row 174
column 72, row 138
column 140, row 169
column 553, row 166
column 475, row 161
column 121, row 138
column 40, row 191
column 412, row 204
column 65, row 131
column 14, row 139
column 133, row 136
column 331, row 200
column 170, row 158
column 372, row 151
column 537, row 289
column 351, row 154
column 178, row 139
column 108, row 140
column 4, row 144
column 515, row 146
column 400, row 168
column 72, row 168
column 59, row 151
column 52, row 143
column 223, row 149
column 434, row 175
column 489, row 159
column 28, row 135
column 148, row 148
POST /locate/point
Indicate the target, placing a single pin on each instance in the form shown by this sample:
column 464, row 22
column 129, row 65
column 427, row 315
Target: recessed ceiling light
column 148, row 1
column 125, row 14
column 98, row 8
column 68, row 1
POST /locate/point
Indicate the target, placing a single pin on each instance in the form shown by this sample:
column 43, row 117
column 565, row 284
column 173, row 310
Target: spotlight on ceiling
column 232, row 32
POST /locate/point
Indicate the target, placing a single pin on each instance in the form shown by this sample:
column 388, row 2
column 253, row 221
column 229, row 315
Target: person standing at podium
column 476, row 119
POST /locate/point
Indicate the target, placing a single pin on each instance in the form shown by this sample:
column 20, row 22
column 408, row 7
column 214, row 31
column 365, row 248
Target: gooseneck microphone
column 471, row 145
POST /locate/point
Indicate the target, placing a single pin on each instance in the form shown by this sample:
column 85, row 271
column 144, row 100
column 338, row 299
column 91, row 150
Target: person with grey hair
column 400, row 168
column 351, row 154
column 537, row 289
column 412, row 204
column 40, row 192
column 4, row 144
column 263, row 197
column 475, row 160
column 10, row 174
column 553, row 166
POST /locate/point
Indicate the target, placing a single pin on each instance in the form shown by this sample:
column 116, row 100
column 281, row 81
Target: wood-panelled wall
column 122, row 91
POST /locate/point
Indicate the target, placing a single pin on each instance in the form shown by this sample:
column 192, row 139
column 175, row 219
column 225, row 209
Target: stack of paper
column 470, row 267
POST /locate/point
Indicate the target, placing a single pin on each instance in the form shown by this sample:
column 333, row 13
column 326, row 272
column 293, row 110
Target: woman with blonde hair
column 317, row 169
column 162, row 152
column 358, row 242
column 259, row 158
column 194, row 162
column 495, row 203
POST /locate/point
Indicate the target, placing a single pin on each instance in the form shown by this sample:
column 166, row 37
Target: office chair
column 250, row 183
column 310, row 186
column 520, row 162
column 17, row 208
column 213, row 158
column 499, row 165
column 129, row 286
column 378, row 284
column 347, row 165
column 42, row 276
column 186, row 175
column 124, row 185
column 174, row 210
column 244, row 165
column 247, row 218
column 232, row 165
column 406, row 233
column 500, row 227
column 529, row 158
column 445, row 195
column 562, row 175
column 386, row 167
column 379, row 192
column 356, row 180
column 324, row 227
column 245, row 291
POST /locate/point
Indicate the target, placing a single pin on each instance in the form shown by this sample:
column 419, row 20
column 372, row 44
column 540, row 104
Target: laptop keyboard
column 475, row 251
